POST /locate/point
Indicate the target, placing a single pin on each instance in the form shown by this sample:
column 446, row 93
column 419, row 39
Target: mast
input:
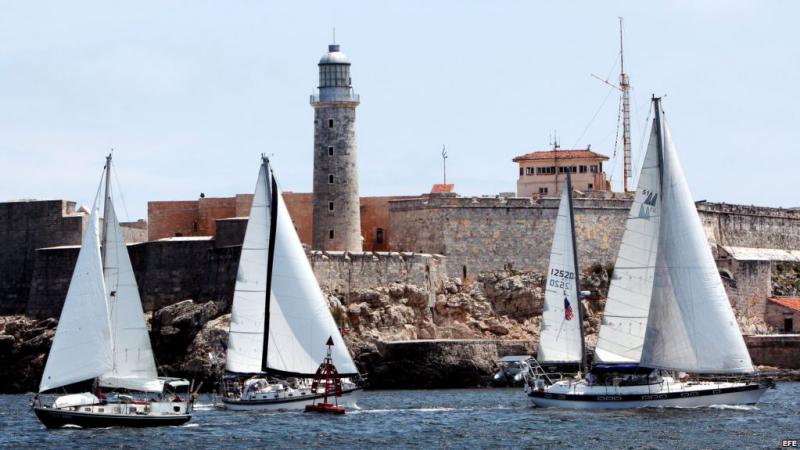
column 660, row 136
column 272, row 192
column 625, row 86
column 106, row 203
column 577, row 272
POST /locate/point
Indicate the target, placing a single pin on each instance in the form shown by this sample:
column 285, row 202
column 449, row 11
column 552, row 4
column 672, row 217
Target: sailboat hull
column 55, row 418
column 685, row 397
column 348, row 400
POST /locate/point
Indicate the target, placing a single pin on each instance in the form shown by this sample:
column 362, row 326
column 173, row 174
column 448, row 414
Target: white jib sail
column 692, row 326
column 300, row 319
column 81, row 348
column 134, row 366
column 625, row 315
column 246, row 338
column 560, row 339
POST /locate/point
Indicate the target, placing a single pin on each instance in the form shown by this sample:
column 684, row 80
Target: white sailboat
column 561, row 340
column 280, row 321
column 102, row 342
column 667, row 311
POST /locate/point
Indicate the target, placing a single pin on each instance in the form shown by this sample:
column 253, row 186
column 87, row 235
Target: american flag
column 568, row 314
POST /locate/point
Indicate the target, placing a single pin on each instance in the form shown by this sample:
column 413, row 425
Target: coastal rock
column 433, row 364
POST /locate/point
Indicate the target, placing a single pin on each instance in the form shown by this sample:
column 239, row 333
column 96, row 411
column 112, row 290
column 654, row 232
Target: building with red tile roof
column 783, row 314
column 544, row 173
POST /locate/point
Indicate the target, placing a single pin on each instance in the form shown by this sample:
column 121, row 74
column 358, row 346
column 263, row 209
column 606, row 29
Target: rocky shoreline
column 400, row 335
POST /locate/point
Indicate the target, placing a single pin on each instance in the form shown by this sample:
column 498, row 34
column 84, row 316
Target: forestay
column 561, row 339
column 692, row 326
column 134, row 367
column 81, row 348
column 624, row 322
column 246, row 338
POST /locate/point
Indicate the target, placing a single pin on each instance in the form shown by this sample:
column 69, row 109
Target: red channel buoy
column 328, row 378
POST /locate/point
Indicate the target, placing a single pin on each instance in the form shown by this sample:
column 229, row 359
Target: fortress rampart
column 488, row 233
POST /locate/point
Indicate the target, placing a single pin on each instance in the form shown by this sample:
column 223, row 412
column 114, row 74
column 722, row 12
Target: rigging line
column 121, row 195
column 610, row 90
column 640, row 156
column 99, row 188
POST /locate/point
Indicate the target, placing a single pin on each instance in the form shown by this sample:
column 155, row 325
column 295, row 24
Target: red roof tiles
column 559, row 154
column 791, row 303
column 442, row 188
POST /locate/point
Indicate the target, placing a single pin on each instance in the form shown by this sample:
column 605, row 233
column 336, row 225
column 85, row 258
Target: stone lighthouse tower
column 336, row 218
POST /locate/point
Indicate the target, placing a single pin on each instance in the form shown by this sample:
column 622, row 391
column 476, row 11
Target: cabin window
column 582, row 169
column 594, row 169
column 330, row 150
column 330, row 233
column 330, row 179
column 101, row 409
column 379, row 235
column 330, row 123
column 330, row 206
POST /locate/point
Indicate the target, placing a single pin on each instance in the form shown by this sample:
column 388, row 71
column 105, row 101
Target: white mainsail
column 246, row 338
column 692, row 326
column 81, row 348
column 299, row 319
column 561, row 337
column 624, row 321
column 134, row 365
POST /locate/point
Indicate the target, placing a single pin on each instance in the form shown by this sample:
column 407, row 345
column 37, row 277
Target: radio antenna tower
column 624, row 88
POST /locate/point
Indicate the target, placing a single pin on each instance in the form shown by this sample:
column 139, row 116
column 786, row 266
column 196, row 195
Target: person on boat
column 102, row 397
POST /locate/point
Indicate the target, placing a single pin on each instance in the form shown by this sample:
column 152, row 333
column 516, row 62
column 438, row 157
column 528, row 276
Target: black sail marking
column 273, row 214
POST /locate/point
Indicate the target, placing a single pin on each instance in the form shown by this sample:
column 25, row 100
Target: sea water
column 459, row 418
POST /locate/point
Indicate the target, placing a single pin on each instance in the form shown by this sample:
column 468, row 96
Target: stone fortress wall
column 476, row 234
column 170, row 270
column 487, row 233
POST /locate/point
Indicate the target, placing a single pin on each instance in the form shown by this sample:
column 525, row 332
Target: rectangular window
column 379, row 236
column 330, row 206
column 543, row 190
column 594, row 169
column 552, row 170
column 330, row 123
column 520, row 171
column 591, row 186
column 330, row 233
column 582, row 169
column 330, row 179
column 529, row 171
column 330, row 150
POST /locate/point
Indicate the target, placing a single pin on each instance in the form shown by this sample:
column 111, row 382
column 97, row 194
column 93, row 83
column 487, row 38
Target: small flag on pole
column 568, row 314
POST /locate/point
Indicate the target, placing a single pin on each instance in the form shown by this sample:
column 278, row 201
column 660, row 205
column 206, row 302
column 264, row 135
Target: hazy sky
column 189, row 93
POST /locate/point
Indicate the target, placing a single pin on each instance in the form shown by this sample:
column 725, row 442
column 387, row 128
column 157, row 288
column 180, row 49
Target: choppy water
column 487, row 418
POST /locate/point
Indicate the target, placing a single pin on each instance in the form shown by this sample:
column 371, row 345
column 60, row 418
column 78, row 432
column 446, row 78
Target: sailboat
column 280, row 321
column 667, row 313
column 561, row 342
column 101, row 348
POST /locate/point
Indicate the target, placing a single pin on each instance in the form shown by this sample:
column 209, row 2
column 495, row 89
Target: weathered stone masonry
column 24, row 227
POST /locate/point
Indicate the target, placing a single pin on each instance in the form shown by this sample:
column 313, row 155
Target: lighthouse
column 336, row 215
